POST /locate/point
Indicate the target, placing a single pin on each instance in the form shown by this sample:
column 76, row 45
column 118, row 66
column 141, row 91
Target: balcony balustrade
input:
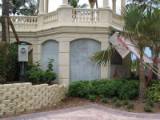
column 68, row 16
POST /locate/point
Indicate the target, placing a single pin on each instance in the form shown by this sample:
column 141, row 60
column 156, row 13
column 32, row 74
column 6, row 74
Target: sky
column 54, row 4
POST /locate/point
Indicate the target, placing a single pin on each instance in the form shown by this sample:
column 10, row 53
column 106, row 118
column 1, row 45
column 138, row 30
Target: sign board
column 118, row 44
column 23, row 53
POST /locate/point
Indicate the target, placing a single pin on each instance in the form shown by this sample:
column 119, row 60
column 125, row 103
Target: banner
column 118, row 44
column 124, row 47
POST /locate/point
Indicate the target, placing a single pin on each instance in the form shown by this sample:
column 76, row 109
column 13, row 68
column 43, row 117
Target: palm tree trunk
column 5, row 21
column 155, row 61
column 142, row 84
column 14, row 30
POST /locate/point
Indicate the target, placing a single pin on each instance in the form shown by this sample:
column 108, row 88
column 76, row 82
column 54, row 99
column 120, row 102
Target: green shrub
column 81, row 89
column 104, row 100
column 130, row 106
column 35, row 76
column 8, row 62
column 121, row 89
column 107, row 88
column 125, row 102
column 38, row 76
column 92, row 98
column 148, row 108
column 150, row 103
column 114, row 99
column 129, row 90
column 153, row 92
column 118, row 103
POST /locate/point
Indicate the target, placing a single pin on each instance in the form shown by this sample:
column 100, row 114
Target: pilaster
column 41, row 6
column 105, row 16
column 46, row 6
column 105, row 70
column 123, row 3
column 65, row 15
column 36, row 52
column 114, row 6
column 64, row 48
column 105, row 3
column 65, row 2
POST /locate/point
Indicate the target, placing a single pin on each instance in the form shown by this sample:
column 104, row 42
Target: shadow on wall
column 120, row 68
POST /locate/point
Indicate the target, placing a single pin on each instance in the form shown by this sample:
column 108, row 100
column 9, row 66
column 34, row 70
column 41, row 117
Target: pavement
column 87, row 112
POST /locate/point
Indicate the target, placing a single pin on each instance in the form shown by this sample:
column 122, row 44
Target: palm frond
column 104, row 56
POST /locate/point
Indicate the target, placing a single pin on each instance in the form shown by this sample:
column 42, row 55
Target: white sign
column 118, row 44
column 23, row 53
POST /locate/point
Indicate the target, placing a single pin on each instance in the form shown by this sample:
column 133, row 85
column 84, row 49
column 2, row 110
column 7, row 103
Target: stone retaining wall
column 25, row 97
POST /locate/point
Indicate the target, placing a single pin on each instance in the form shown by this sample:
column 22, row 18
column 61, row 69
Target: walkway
column 88, row 112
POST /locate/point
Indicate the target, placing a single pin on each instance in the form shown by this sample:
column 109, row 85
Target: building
column 70, row 36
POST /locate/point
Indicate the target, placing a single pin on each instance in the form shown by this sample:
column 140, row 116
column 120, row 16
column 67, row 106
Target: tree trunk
column 142, row 84
column 5, row 21
column 155, row 61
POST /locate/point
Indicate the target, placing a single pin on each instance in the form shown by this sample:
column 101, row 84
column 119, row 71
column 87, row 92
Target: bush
column 148, row 108
column 130, row 106
column 92, row 98
column 104, row 100
column 121, row 89
column 129, row 90
column 81, row 89
column 118, row 103
column 8, row 62
column 38, row 76
column 107, row 88
column 125, row 102
column 153, row 92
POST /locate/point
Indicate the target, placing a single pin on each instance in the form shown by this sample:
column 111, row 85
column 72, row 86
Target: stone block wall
column 25, row 97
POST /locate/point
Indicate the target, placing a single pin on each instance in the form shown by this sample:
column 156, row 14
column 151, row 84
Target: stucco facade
column 63, row 27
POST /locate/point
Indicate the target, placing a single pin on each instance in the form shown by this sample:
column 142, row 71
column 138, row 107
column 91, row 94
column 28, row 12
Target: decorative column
column 114, row 6
column 123, row 4
column 64, row 52
column 105, row 16
column 105, row 70
column 46, row 6
column 65, row 2
column 36, row 52
column 41, row 6
column 65, row 15
column 105, row 3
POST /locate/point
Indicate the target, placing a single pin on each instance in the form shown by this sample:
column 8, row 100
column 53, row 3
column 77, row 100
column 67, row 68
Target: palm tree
column 92, row 3
column 134, row 28
column 4, row 20
column 24, row 7
column 153, row 32
column 138, row 28
column 74, row 4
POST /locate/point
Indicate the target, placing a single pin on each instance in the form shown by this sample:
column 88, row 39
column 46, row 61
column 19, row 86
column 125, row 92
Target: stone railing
column 89, row 16
column 50, row 17
column 117, row 20
column 25, row 97
column 24, row 19
column 25, row 23
column 67, row 16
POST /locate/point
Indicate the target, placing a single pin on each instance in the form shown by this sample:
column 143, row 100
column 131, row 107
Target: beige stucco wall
column 64, row 27
column 25, row 97
column 64, row 36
